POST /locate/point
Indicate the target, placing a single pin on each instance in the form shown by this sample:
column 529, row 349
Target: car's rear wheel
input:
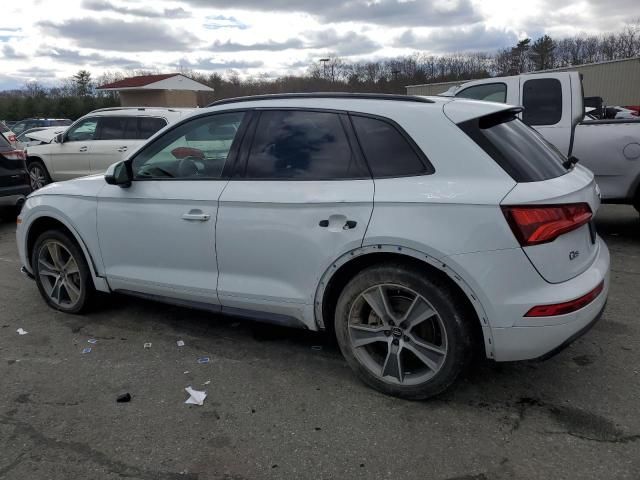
column 61, row 272
column 402, row 332
column 38, row 175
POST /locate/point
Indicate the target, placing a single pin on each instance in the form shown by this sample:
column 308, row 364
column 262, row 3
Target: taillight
column 536, row 224
column 14, row 155
column 566, row 307
column 12, row 138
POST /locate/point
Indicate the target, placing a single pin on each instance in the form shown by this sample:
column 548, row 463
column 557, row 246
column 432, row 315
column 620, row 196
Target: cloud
column 106, row 6
column 74, row 57
column 211, row 64
column 382, row 12
column 345, row 44
column 10, row 53
column 216, row 22
column 36, row 72
column 465, row 39
column 109, row 34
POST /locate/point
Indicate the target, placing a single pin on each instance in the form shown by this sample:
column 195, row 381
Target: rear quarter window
column 489, row 92
column 521, row 151
column 388, row 152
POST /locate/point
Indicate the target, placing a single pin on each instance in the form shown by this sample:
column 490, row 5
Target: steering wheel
column 188, row 168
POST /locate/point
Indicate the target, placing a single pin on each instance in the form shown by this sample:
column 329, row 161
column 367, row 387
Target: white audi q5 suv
column 419, row 230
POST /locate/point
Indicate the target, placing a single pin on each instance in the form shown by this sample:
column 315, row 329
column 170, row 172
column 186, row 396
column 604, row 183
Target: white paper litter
column 21, row 331
column 147, row 345
column 196, row 397
column 207, row 382
column 180, row 343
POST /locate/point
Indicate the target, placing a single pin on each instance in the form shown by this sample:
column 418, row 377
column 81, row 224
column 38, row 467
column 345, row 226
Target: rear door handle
column 196, row 217
column 122, row 149
column 83, row 149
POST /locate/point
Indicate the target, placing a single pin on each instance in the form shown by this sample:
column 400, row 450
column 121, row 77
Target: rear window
column 521, row 151
column 542, row 101
column 489, row 92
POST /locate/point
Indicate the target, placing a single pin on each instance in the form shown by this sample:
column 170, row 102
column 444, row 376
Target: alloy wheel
column 59, row 274
column 397, row 334
column 37, row 177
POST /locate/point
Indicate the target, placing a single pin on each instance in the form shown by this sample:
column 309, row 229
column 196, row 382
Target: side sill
column 256, row 316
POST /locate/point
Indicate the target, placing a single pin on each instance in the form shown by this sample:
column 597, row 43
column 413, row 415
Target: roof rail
column 355, row 96
column 113, row 109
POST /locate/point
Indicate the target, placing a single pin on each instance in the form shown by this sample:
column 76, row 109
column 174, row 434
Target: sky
column 48, row 40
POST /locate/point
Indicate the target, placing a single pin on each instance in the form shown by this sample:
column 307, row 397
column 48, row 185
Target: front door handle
column 83, row 149
column 122, row 149
column 196, row 216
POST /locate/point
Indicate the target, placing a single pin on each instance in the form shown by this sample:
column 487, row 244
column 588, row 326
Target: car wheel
column 61, row 272
column 403, row 333
column 38, row 175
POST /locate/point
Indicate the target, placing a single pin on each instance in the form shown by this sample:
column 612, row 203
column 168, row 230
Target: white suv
column 416, row 229
column 95, row 141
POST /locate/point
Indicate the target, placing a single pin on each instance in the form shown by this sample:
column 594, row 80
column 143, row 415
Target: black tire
column 37, row 169
column 82, row 278
column 453, row 317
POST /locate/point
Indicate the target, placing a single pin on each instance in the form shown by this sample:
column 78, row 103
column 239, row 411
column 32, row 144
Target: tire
column 38, row 174
column 383, row 348
column 75, row 291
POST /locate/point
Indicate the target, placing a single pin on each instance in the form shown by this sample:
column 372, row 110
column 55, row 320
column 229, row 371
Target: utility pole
column 324, row 66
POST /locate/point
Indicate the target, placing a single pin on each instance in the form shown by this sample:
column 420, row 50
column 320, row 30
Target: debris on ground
column 180, row 343
column 124, row 398
column 196, row 397
column 147, row 345
column 93, row 341
column 204, row 360
column 21, row 331
column 207, row 382
column 86, row 350
column 185, row 372
column 316, row 347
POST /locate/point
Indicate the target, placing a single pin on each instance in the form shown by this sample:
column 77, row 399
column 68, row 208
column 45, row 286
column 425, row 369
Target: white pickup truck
column 553, row 105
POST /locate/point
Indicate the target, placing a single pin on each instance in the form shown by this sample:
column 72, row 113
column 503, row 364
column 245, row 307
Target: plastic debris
column 316, row 347
column 207, row 382
column 93, row 341
column 124, row 398
column 86, row 350
column 204, row 360
column 196, row 397
column 21, row 331
column 180, row 343
column 147, row 345
column 186, row 371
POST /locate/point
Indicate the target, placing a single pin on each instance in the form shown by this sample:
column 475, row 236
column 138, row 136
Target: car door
column 70, row 159
column 300, row 198
column 157, row 236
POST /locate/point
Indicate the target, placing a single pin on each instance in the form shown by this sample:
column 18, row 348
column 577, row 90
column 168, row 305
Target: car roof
column 139, row 111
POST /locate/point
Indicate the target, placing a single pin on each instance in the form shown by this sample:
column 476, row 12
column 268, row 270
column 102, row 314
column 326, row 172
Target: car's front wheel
column 38, row 175
column 402, row 332
column 61, row 272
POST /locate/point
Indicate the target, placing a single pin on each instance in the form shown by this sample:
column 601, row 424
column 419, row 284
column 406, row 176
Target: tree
column 520, row 57
column 83, row 83
column 542, row 53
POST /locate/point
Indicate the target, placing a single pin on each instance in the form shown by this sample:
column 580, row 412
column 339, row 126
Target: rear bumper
column 509, row 289
column 13, row 196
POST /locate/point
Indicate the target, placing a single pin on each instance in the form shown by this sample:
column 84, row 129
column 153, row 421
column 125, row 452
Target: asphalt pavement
column 283, row 404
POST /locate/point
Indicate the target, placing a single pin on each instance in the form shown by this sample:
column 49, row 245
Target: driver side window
column 196, row 149
column 83, row 131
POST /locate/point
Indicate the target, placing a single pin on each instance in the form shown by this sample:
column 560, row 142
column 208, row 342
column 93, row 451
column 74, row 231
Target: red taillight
column 566, row 307
column 14, row 155
column 536, row 224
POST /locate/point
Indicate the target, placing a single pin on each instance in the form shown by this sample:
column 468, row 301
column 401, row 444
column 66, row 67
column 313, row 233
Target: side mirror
column 59, row 138
column 119, row 174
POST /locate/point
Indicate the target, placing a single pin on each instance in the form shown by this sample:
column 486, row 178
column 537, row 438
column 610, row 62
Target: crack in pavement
column 86, row 452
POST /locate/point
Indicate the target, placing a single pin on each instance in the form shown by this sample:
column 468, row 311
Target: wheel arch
column 51, row 221
column 351, row 263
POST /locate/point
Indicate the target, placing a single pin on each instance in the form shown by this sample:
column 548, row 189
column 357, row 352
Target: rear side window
column 148, row 126
column 388, row 152
column 490, row 92
column 542, row 101
column 301, row 145
column 521, row 151
column 111, row 128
